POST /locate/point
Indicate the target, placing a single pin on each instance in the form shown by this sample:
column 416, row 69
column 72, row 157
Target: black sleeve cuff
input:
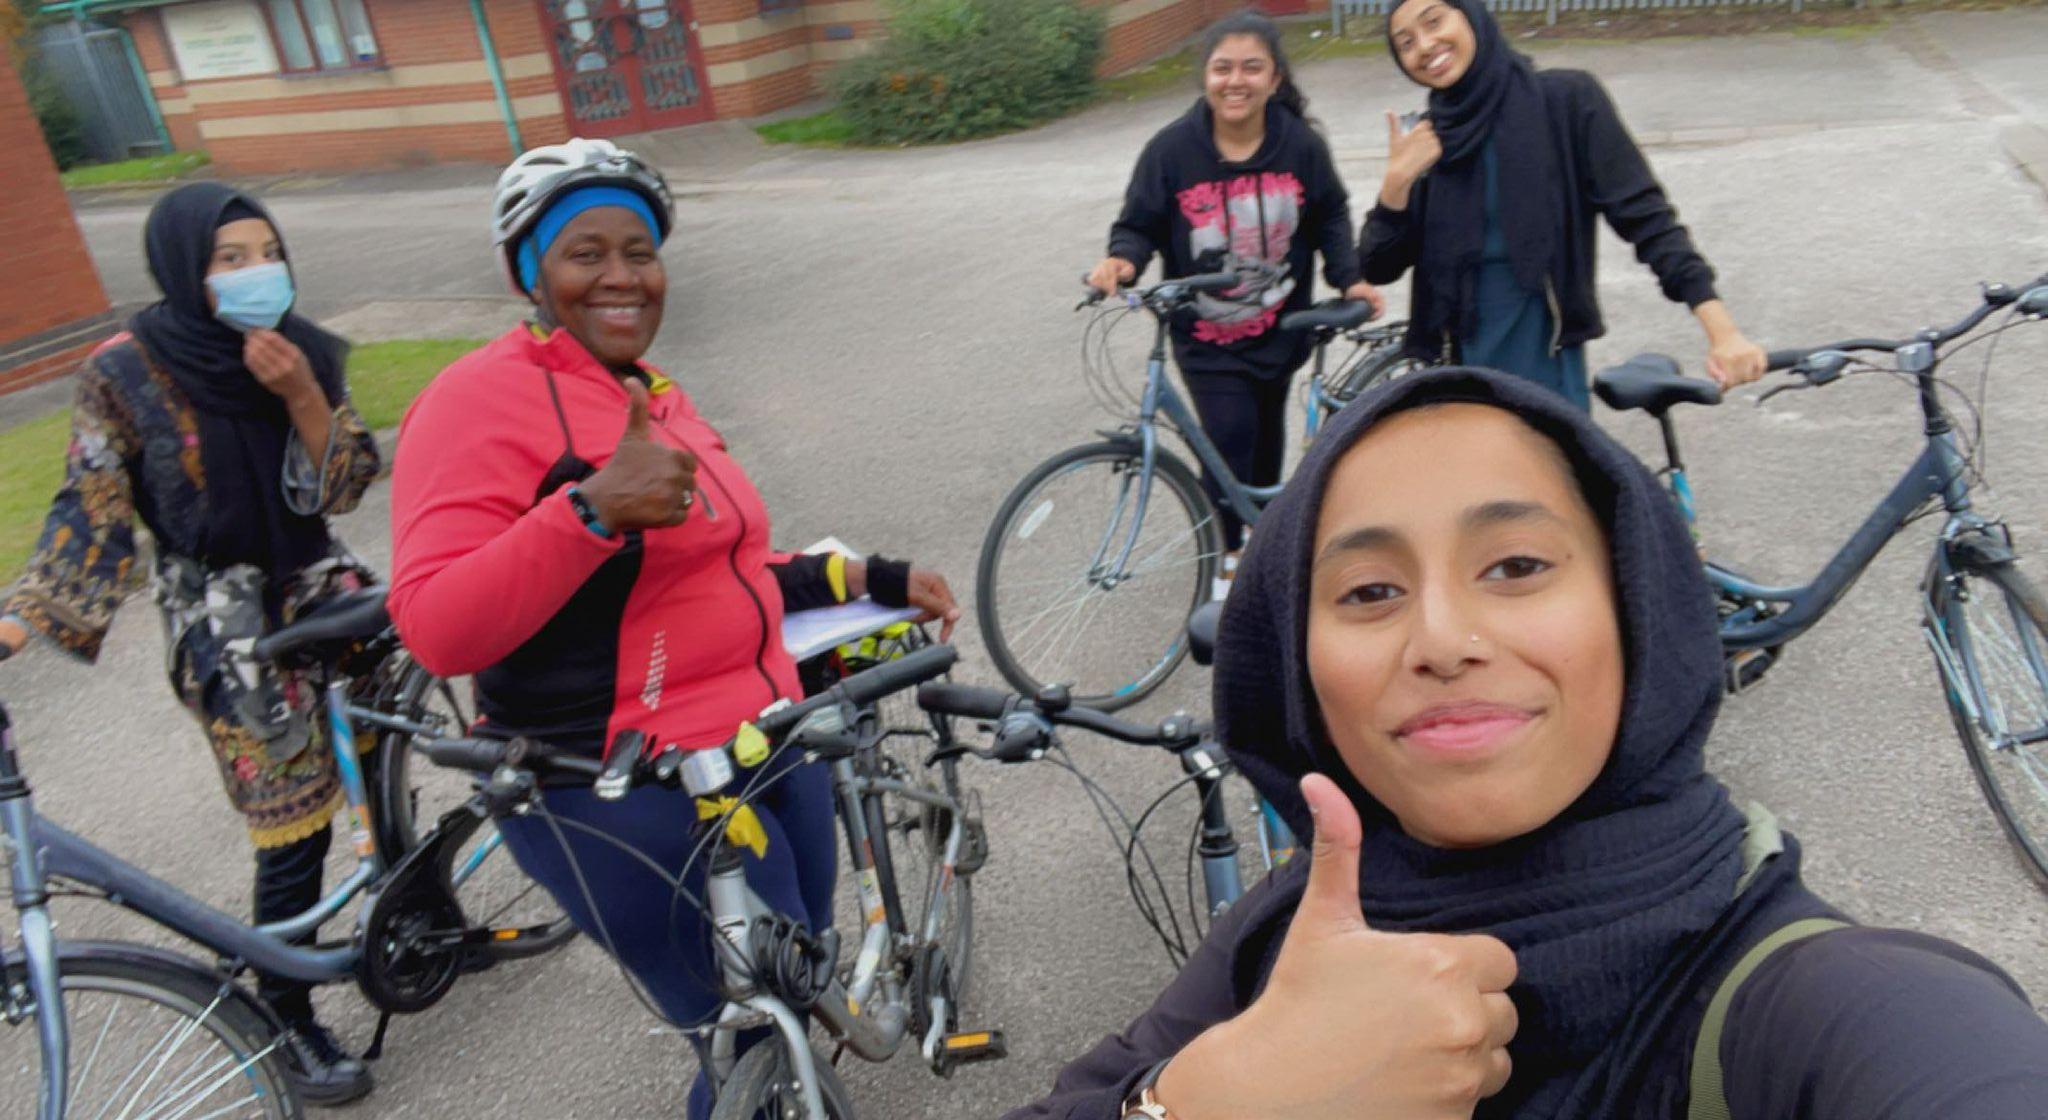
column 889, row 581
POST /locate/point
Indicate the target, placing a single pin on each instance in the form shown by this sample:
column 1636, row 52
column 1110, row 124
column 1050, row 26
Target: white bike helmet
column 538, row 177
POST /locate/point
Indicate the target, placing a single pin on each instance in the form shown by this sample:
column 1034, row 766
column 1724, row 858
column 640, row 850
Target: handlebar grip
column 966, row 700
column 1210, row 282
column 895, row 676
column 1783, row 359
column 479, row 755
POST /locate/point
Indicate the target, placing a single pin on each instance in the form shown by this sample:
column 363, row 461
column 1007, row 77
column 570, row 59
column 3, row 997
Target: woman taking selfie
column 1472, row 651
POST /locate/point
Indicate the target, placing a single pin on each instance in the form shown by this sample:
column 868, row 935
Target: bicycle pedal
column 968, row 1047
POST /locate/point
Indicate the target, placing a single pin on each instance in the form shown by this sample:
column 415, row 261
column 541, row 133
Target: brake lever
column 1786, row 388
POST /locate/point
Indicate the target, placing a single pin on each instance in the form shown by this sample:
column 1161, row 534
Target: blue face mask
column 253, row 298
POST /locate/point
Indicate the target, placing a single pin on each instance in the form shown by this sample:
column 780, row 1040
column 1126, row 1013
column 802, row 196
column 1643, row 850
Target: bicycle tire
column 251, row 1061
column 2014, row 778
column 1156, row 626
column 762, row 1087
column 501, row 892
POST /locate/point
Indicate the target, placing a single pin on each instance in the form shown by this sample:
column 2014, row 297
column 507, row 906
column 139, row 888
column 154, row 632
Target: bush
column 958, row 69
column 61, row 128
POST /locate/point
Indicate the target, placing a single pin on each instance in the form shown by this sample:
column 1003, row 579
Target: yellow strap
column 742, row 827
column 1709, row 1095
column 835, row 574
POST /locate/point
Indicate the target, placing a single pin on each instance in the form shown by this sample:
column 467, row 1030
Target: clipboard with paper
column 806, row 634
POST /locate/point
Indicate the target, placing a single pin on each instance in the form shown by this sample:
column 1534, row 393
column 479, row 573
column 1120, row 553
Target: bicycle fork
column 44, row 997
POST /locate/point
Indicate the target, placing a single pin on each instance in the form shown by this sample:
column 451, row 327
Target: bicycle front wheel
column 148, row 1040
column 1372, row 367
column 412, row 796
column 1997, row 626
column 1090, row 571
column 763, row 1087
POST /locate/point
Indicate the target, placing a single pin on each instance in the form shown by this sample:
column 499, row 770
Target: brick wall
column 49, row 289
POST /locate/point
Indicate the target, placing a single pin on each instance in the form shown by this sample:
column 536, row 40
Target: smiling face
column 1463, row 635
column 1433, row 41
column 602, row 281
column 1239, row 78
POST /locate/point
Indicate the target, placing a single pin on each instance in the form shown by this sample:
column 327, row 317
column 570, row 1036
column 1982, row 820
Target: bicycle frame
column 1111, row 560
column 1939, row 472
column 26, row 882
column 876, row 1035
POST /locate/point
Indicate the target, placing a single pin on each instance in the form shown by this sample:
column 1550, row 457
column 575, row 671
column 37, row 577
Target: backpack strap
column 1761, row 840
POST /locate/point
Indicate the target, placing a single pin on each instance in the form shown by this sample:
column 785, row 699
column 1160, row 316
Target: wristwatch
column 1141, row 1104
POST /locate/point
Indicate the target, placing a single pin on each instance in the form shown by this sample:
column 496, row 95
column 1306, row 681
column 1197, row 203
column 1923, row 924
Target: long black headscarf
column 1497, row 99
column 243, row 427
column 1608, row 905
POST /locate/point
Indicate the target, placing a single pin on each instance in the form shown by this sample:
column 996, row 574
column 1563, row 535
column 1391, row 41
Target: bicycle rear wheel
column 1078, row 585
column 148, row 1040
column 763, row 1087
column 412, row 796
column 1996, row 622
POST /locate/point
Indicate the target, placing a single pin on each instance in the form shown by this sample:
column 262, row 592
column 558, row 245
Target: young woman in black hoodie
column 1493, row 201
column 1471, row 650
column 1241, row 183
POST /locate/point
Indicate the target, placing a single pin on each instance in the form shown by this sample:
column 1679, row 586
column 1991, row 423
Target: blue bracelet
column 587, row 513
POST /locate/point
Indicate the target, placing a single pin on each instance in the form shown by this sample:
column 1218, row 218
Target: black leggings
column 287, row 885
column 1246, row 418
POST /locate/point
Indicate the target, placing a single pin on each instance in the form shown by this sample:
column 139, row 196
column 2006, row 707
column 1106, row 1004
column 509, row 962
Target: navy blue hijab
column 1618, row 908
column 1497, row 101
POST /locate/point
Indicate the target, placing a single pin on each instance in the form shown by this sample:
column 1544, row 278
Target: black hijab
column 1623, row 899
column 243, row 427
column 1498, row 98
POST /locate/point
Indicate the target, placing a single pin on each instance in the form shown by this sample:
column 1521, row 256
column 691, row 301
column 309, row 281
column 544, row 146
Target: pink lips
column 1463, row 730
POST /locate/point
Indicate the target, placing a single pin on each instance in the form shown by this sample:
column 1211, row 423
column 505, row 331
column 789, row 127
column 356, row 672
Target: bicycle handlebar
column 975, row 702
column 1996, row 296
column 485, row 755
column 1169, row 293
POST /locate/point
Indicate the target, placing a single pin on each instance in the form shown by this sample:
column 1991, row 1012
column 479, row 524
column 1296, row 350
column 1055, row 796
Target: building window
column 770, row 7
column 322, row 34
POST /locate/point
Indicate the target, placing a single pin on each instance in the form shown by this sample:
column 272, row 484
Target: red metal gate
column 626, row 65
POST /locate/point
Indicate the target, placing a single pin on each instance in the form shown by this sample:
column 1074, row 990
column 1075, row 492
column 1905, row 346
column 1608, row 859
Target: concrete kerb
column 2026, row 144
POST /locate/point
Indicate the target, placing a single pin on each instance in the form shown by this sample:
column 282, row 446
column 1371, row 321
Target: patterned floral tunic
column 135, row 455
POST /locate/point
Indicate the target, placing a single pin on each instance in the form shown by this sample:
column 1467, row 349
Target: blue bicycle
column 1984, row 621
column 1096, row 559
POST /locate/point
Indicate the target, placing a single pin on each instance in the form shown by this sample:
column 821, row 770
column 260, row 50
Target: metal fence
column 1342, row 10
column 102, row 78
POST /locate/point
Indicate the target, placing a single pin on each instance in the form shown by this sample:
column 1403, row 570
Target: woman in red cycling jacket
column 567, row 528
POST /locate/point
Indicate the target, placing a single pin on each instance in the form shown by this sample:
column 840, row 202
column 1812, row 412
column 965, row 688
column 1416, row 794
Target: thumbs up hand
column 646, row 484
column 1354, row 1023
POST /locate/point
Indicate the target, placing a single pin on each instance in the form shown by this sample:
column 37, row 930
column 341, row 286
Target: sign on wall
column 219, row 39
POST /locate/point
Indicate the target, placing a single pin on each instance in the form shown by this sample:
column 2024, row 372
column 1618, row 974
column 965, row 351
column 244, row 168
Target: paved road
column 884, row 339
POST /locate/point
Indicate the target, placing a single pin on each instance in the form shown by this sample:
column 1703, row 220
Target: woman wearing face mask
column 1472, row 651
column 568, row 528
column 220, row 421
column 1241, row 183
column 1492, row 202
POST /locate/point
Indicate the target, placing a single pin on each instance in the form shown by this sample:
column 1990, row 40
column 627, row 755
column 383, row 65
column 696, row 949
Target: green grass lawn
column 151, row 169
column 819, row 130
column 383, row 378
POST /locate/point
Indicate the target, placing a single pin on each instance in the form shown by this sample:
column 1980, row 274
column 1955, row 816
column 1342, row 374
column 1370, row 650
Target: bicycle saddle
column 342, row 620
column 1652, row 383
column 1202, row 627
column 1329, row 315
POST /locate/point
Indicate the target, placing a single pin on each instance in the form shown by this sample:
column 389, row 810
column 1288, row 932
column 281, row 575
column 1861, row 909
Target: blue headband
column 563, row 211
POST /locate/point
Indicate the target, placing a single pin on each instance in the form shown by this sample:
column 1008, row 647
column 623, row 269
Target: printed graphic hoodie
column 1264, row 218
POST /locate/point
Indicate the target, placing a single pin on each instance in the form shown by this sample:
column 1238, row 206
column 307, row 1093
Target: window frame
column 316, row 70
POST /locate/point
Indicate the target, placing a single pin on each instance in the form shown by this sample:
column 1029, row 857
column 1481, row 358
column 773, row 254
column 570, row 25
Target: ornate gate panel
column 626, row 65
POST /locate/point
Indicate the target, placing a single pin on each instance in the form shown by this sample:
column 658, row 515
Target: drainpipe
column 483, row 36
column 156, row 116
